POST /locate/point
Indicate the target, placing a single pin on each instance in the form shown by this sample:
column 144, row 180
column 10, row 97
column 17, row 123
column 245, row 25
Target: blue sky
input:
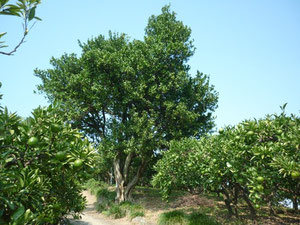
column 250, row 49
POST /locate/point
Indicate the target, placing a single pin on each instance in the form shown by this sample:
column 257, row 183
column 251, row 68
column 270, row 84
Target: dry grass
column 150, row 199
column 200, row 205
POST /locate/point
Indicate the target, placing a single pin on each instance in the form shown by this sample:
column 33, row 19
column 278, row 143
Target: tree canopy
column 133, row 97
column 257, row 161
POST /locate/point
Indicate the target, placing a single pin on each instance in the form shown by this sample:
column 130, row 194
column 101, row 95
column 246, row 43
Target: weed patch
column 178, row 217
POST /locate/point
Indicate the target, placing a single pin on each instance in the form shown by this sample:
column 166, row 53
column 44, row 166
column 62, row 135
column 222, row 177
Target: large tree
column 133, row 97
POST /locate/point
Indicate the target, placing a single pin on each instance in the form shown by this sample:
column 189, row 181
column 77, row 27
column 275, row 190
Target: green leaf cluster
column 1, row 98
column 257, row 161
column 35, row 186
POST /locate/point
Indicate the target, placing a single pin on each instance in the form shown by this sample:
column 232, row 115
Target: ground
column 91, row 217
column 212, row 206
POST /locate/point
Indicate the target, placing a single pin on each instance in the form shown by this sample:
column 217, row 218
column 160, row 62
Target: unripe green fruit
column 61, row 155
column 55, row 128
column 260, row 179
column 32, row 141
column 250, row 133
column 260, row 188
column 295, row 175
column 78, row 163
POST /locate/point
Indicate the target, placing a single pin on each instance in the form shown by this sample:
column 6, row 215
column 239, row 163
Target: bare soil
column 90, row 215
column 151, row 201
column 209, row 205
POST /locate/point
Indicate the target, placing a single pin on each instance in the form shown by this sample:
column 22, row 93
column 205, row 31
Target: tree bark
column 119, row 180
column 235, row 200
column 227, row 201
column 295, row 202
column 250, row 206
column 270, row 204
column 124, row 187
column 131, row 185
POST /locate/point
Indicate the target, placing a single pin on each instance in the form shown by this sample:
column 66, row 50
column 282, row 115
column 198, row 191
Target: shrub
column 132, row 209
column 256, row 162
column 116, row 211
column 38, row 182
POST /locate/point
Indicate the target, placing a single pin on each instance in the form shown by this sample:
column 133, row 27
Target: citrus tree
column 132, row 97
column 257, row 162
column 42, row 166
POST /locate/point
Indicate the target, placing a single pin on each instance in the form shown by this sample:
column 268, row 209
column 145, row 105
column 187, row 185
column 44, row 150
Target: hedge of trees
column 257, row 162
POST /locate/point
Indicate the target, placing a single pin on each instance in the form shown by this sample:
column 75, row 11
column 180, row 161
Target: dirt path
column 92, row 217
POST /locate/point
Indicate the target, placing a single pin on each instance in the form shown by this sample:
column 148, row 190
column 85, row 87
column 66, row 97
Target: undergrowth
column 200, row 211
column 106, row 202
column 178, row 217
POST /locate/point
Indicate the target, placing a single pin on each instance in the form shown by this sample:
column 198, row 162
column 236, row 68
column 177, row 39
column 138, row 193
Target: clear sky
column 250, row 49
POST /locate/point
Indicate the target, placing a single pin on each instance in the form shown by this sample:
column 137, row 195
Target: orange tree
column 257, row 161
column 132, row 97
column 40, row 177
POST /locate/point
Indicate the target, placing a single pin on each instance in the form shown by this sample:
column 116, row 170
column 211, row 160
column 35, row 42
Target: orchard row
column 256, row 162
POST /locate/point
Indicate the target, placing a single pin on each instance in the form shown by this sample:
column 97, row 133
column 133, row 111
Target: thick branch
column 104, row 122
column 136, row 178
column 247, row 200
column 288, row 190
column 118, row 173
column 127, row 165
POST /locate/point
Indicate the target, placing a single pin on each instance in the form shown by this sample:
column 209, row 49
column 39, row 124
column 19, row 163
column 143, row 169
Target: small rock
column 139, row 220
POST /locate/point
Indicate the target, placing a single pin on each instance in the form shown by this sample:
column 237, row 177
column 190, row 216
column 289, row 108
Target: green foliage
column 22, row 8
column 105, row 197
column 132, row 210
column 132, row 97
column 116, row 211
column 254, row 161
column 1, row 108
column 178, row 169
column 35, row 186
column 198, row 218
column 107, row 205
column 178, row 217
column 95, row 186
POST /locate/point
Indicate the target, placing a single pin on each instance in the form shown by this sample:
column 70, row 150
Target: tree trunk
column 250, row 206
column 111, row 176
column 227, row 201
column 235, row 200
column 270, row 204
column 295, row 203
column 119, row 180
column 124, row 187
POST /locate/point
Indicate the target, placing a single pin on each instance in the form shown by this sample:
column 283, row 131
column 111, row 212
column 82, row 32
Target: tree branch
column 136, row 178
column 126, row 166
column 15, row 49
